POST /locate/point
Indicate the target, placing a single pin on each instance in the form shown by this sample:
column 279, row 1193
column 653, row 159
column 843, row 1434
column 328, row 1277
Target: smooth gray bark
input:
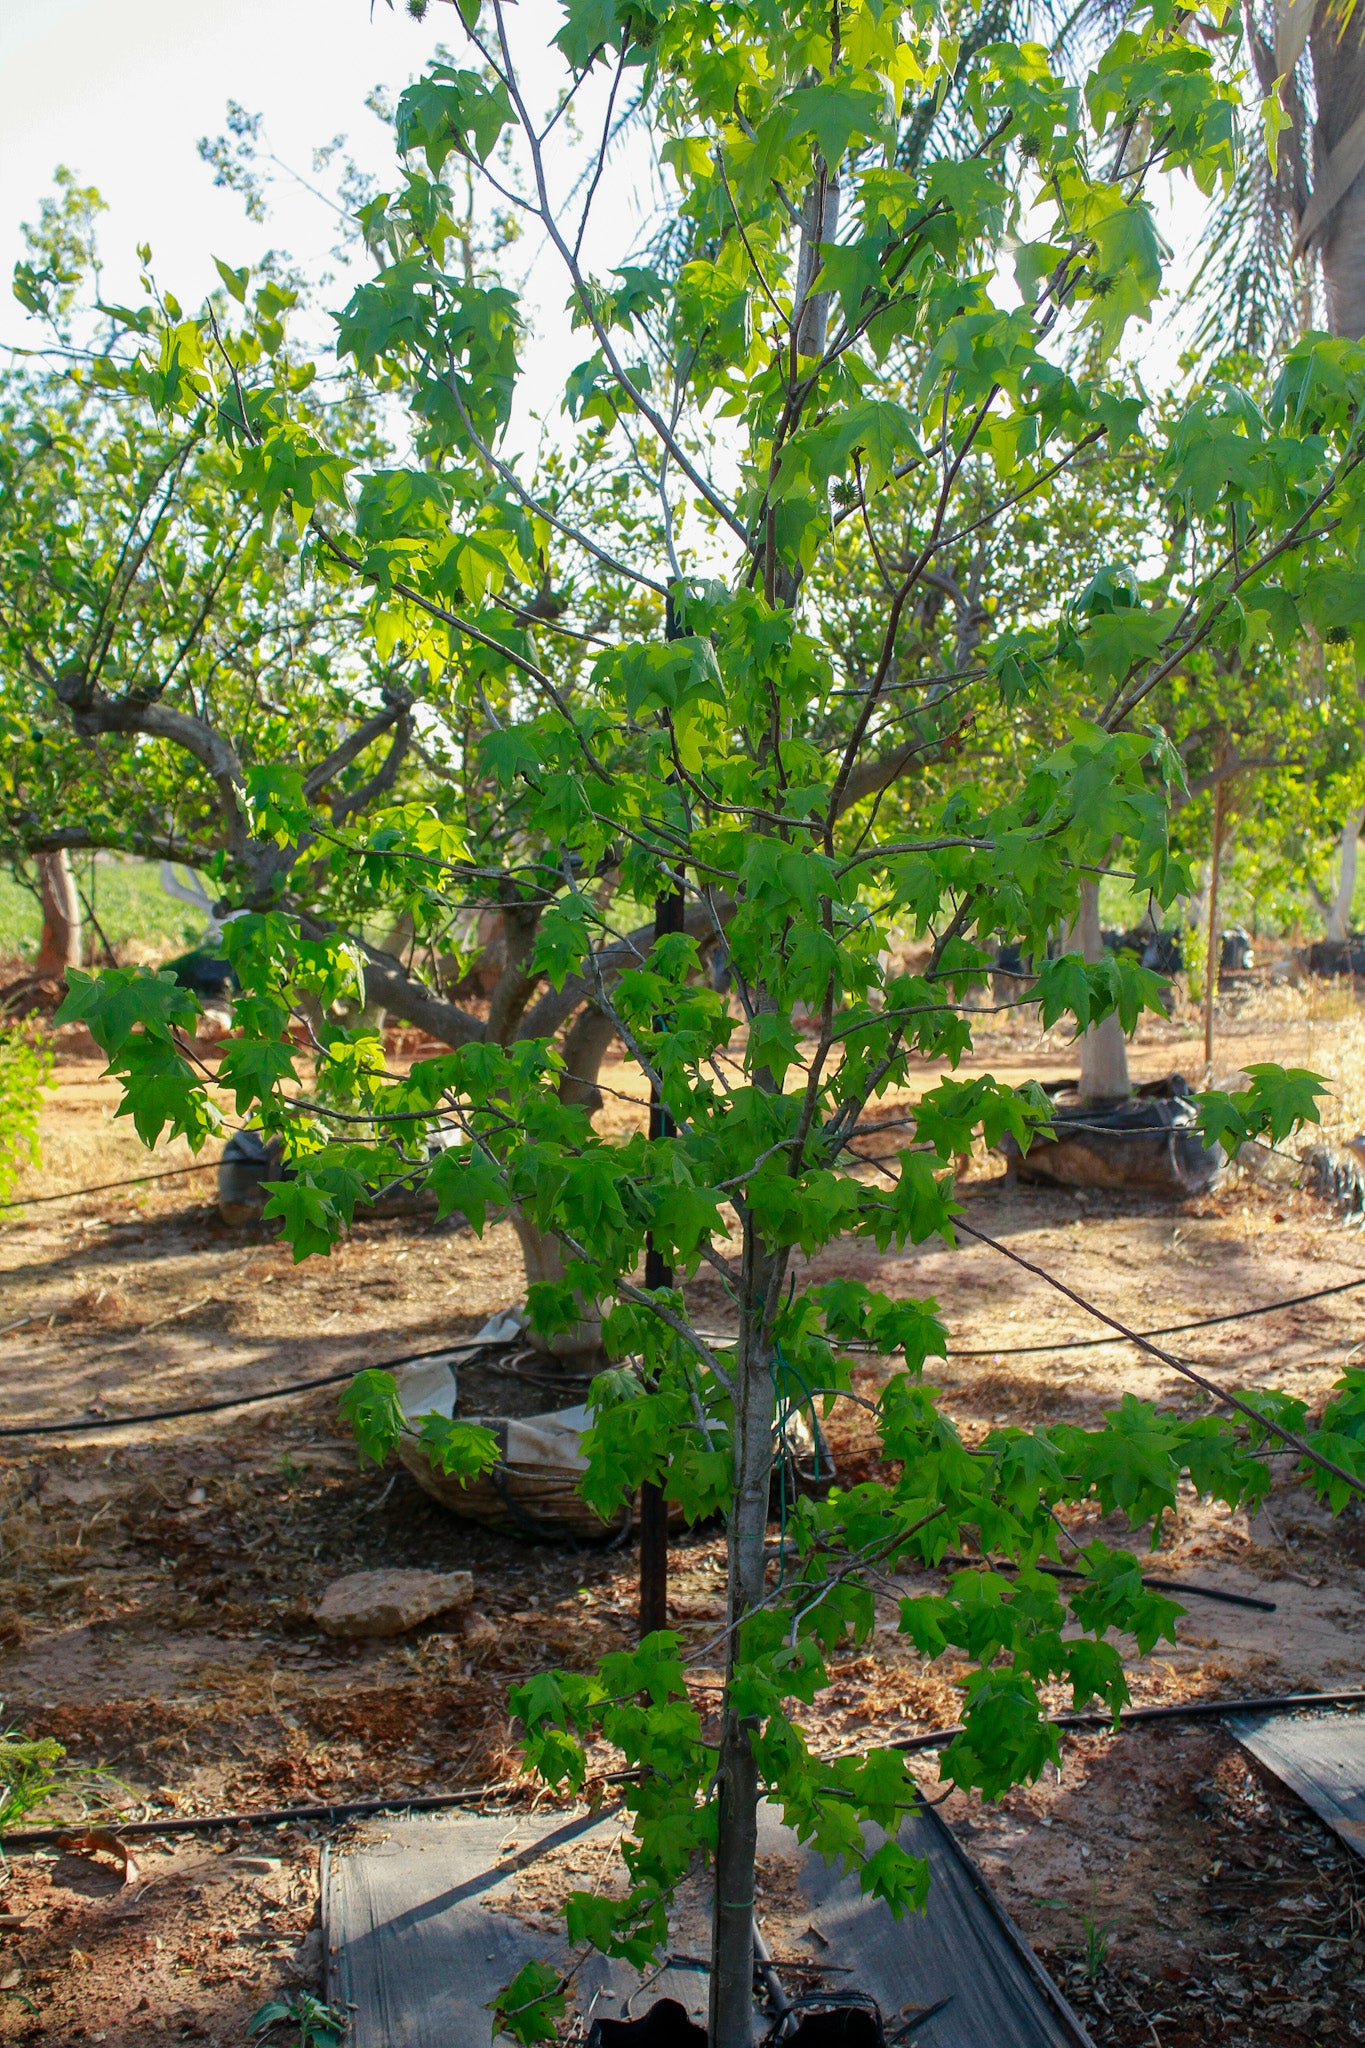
column 1337, row 921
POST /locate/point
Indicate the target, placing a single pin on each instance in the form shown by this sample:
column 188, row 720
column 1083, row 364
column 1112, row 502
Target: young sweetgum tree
column 820, row 313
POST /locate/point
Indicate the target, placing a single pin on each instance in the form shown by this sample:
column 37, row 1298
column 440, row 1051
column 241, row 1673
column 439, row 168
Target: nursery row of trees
column 862, row 590
column 127, row 550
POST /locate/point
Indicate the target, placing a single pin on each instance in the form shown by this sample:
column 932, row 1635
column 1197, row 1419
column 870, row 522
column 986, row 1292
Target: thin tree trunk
column 732, row 1942
column 1214, row 959
column 1104, row 1050
column 1337, row 924
column 60, row 944
column 737, row 1787
column 819, row 224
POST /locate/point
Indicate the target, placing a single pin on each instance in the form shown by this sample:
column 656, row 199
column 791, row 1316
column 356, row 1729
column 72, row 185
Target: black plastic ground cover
column 1321, row 1757
column 418, row 1937
column 666, row 2025
column 1150, row 1141
column 837, row 2019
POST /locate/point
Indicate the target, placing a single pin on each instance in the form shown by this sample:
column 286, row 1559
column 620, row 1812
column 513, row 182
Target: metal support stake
column 668, row 917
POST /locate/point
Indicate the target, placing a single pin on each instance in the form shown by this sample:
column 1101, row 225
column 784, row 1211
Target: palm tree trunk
column 1338, row 53
column 1336, row 44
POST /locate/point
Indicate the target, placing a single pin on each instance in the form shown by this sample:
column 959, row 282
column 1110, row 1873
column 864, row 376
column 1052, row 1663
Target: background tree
column 1286, row 247
column 59, row 943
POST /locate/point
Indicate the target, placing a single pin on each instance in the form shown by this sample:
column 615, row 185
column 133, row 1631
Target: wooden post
column 1215, row 950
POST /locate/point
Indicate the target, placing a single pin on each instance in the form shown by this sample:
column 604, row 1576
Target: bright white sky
column 121, row 93
column 121, row 90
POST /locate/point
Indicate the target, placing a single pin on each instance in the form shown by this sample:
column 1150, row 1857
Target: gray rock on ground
column 388, row 1603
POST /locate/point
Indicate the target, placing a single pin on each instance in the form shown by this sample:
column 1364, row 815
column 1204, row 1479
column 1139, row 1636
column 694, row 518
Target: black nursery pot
column 830, row 2021
column 665, row 2025
column 849, row 2020
column 1150, row 1141
column 1337, row 956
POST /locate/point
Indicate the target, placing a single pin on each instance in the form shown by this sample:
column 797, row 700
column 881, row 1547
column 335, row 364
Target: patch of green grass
column 140, row 921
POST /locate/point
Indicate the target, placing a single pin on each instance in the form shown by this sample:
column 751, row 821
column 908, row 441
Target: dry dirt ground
column 155, row 1586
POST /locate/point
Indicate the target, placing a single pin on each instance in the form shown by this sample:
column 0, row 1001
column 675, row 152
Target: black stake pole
column 668, row 917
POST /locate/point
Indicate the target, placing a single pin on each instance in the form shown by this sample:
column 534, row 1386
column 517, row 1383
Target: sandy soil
column 154, row 1605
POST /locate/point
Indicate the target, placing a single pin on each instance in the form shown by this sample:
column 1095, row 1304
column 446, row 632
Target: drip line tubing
column 326, row 1379
column 473, row 1795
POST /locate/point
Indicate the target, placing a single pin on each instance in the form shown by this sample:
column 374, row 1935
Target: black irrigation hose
column 327, row 1379
column 332, row 1379
column 103, row 1187
column 434, row 1802
column 1239, row 1315
column 1190, row 1710
column 271, row 1816
column 1062, row 1571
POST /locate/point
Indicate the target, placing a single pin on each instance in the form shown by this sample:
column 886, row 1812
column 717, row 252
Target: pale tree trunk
column 543, row 1257
column 1104, row 1051
column 60, row 944
column 1337, row 923
column 1214, row 961
column 737, row 1777
column 819, row 223
column 1197, row 906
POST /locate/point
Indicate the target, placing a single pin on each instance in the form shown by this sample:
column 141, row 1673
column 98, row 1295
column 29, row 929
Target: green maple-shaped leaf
column 528, row 2007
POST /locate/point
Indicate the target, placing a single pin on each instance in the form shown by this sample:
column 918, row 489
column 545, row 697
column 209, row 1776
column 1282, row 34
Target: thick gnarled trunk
column 59, row 947
column 543, row 1258
column 585, row 1046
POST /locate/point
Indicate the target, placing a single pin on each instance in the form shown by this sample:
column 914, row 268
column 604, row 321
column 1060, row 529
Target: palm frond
column 1250, row 290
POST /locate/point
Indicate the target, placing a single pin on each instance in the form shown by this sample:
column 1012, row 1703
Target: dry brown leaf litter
column 155, row 1594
